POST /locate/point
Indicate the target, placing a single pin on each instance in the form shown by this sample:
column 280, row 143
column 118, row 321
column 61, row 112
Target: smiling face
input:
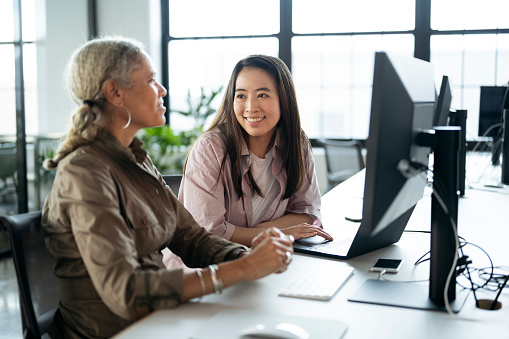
column 256, row 104
column 143, row 98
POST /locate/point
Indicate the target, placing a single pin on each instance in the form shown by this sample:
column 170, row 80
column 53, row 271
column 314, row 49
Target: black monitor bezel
column 399, row 84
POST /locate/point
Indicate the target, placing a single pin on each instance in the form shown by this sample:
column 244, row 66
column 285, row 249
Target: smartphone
column 387, row 265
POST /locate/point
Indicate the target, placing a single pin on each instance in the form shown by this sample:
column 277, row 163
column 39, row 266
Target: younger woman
column 253, row 168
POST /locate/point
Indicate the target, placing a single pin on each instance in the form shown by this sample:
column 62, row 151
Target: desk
column 483, row 220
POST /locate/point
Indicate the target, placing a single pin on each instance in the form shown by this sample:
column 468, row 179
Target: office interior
column 329, row 46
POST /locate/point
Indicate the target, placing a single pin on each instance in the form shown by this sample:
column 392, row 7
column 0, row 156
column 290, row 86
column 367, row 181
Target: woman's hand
column 302, row 231
column 272, row 252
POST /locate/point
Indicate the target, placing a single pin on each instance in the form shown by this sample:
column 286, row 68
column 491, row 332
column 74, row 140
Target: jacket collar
column 112, row 146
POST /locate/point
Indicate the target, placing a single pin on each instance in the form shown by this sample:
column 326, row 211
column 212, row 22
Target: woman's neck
column 259, row 146
column 115, row 126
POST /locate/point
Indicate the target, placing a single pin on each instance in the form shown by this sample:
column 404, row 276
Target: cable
column 381, row 273
column 491, row 264
column 467, row 262
column 455, row 259
column 485, row 134
column 410, row 167
column 422, row 259
column 494, row 304
column 493, row 278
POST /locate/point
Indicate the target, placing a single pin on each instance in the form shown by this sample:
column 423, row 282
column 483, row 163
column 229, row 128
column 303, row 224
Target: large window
column 329, row 46
column 333, row 76
column 472, row 47
column 207, row 40
column 8, row 42
column 207, row 63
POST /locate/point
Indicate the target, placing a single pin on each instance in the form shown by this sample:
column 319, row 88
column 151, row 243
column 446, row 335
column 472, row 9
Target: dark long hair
column 291, row 136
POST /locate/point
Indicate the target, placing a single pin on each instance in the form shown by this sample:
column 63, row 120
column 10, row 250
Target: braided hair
column 99, row 60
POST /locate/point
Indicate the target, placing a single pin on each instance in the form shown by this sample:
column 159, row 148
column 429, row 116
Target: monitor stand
column 403, row 294
column 505, row 146
column 444, row 240
column 459, row 118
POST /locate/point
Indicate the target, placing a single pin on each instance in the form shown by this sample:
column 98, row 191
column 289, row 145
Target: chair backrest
column 7, row 160
column 173, row 180
column 37, row 284
column 343, row 159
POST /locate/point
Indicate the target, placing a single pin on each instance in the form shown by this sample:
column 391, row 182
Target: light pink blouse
column 218, row 207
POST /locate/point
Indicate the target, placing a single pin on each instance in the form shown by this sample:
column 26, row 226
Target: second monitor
column 402, row 107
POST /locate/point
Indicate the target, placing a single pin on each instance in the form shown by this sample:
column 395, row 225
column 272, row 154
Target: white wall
column 137, row 19
column 62, row 26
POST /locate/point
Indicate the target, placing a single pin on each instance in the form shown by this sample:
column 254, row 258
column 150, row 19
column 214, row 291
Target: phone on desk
column 387, row 265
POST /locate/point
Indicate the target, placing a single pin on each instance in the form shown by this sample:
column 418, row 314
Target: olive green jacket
column 105, row 221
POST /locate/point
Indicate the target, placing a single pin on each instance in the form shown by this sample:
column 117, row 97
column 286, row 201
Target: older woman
column 109, row 212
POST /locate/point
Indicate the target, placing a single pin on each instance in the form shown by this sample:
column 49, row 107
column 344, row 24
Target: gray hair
column 99, row 60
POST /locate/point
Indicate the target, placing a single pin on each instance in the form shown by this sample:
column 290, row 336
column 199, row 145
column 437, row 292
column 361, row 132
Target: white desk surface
column 483, row 220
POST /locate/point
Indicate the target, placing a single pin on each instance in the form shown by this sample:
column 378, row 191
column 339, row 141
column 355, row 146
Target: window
column 203, row 48
column 7, row 94
column 471, row 46
column 469, row 15
column 198, row 18
column 329, row 46
column 206, row 63
column 7, row 60
column 326, row 16
column 333, row 76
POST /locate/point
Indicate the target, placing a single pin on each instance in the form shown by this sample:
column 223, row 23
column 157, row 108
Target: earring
column 129, row 120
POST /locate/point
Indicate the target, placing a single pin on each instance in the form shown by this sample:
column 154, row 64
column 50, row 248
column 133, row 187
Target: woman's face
column 143, row 98
column 256, row 103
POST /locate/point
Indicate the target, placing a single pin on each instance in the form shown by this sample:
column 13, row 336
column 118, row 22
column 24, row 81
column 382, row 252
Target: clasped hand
column 272, row 252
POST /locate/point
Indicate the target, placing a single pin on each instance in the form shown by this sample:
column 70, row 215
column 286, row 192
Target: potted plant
column 161, row 144
column 168, row 148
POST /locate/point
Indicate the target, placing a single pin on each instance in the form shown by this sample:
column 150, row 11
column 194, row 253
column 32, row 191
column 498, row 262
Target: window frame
column 422, row 33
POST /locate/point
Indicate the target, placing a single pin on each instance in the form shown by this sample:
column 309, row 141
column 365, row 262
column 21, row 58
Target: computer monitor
column 402, row 116
column 443, row 103
column 402, row 107
column 491, row 104
column 490, row 110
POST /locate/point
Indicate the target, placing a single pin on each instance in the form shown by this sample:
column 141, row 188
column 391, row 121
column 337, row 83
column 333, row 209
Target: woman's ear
column 112, row 92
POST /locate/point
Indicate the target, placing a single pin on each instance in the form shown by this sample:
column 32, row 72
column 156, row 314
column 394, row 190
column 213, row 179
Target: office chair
column 173, row 180
column 343, row 159
column 37, row 284
column 7, row 168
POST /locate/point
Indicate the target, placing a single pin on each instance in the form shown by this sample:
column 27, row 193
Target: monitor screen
column 490, row 110
column 443, row 103
column 402, row 106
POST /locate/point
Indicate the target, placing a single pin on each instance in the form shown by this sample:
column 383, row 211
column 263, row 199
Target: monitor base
column 407, row 295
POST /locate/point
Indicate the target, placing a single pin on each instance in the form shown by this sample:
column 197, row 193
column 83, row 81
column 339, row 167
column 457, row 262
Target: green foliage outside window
column 168, row 148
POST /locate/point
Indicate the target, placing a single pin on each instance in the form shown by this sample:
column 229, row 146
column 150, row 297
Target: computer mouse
column 274, row 331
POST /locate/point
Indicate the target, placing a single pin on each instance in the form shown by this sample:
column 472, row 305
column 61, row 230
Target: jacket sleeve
column 130, row 287
column 307, row 199
column 205, row 199
column 196, row 246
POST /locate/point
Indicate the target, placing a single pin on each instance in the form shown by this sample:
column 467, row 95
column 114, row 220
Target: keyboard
column 336, row 247
column 318, row 283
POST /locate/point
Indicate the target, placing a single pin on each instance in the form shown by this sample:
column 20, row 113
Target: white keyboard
column 318, row 283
